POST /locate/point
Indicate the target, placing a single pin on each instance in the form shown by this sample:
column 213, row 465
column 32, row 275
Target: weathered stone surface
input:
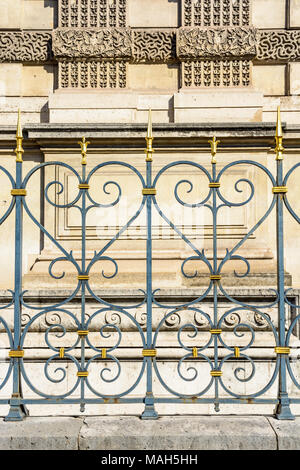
column 177, row 433
column 40, row 434
column 287, row 432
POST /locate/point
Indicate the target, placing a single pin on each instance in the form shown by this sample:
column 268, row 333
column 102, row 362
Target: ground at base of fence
column 165, row 433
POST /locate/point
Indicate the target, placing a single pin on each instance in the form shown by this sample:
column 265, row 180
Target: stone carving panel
column 92, row 13
column 211, row 13
column 216, row 42
column 92, row 74
column 25, row 46
column 279, row 45
column 154, row 46
column 217, row 73
column 102, row 43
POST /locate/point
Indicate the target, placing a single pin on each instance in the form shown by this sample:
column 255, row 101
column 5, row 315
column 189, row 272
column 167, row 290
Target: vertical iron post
column 83, row 187
column 283, row 410
column 149, row 411
column 17, row 410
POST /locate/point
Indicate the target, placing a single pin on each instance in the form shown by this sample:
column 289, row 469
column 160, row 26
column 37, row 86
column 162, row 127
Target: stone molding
column 144, row 45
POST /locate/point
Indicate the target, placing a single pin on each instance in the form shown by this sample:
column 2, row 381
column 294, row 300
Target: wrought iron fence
column 102, row 357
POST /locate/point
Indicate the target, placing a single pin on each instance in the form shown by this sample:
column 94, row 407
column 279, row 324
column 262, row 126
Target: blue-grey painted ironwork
column 149, row 363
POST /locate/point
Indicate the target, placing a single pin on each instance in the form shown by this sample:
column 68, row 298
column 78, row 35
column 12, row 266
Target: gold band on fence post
column 19, row 138
column 83, row 144
column 149, row 139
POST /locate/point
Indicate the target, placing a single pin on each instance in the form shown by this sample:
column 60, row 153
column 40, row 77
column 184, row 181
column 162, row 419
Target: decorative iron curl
column 13, row 200
column 237, row 204
column 203, row 258
column 105, row 186
column 97, row 258
column 186, row 204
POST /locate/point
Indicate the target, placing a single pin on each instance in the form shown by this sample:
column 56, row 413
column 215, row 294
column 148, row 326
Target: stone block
column 37, row 80
column 217, row 106
column 287, row 432
column 177, row 433
column 295, row 78
column 39, row 14
column 268, row 13
column 295, row 13
column 49, row 433
column 270, row 79
column 10, row 14
column 142, row 13
column 10, row 79
column 152, row 77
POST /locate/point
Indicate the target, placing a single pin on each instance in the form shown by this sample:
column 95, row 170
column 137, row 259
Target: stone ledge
column 166, row 433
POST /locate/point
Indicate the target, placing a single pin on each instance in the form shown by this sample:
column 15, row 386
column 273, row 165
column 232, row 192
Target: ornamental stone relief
column 103, row 43
column 216, row 42
column 214, row 45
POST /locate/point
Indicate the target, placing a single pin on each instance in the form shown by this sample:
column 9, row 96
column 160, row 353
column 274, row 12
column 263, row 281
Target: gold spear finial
column 278, row 137
column 214, row 146
column 83, row 144
column 19, row 138
column 149, row 138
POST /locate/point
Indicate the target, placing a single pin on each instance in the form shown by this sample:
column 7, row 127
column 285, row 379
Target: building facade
column 213, row 73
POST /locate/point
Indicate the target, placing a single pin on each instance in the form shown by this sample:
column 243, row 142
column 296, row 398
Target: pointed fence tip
column 278, row 123
column 149, row 130
column 19, row 127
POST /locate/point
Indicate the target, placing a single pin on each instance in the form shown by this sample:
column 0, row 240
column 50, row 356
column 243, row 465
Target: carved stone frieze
column 279, row 45
column 196, row 43
column 101, row 43
column 154, row 46
column 18, row 46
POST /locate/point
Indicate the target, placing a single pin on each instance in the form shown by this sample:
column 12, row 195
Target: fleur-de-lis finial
column 278, row 137
column 83, row 144
column 19, row 138
column 214, row 146
column 149, row 138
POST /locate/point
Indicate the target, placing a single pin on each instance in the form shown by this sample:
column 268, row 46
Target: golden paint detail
column 214, row 147
column 215, row 331
column 82, row 373
column 282, row 350
column 278, row 138
column 61, row 353
column 18, row 192
column 149, row 192
column 103, row 353
column 83, row 332
column 214, row 185
column 84, row 186
column 83, row 144
column 216, row 373
column 149, row 352
column 215, row 277
column 83, row 277
column 279, row 189
column 16, row 353
column 149, row 139
column 195, row 352
column 236, row 352
column 19, row 138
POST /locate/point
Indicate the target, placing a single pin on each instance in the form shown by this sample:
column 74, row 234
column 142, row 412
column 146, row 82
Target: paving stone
column 177, row 433
column 40, row 433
